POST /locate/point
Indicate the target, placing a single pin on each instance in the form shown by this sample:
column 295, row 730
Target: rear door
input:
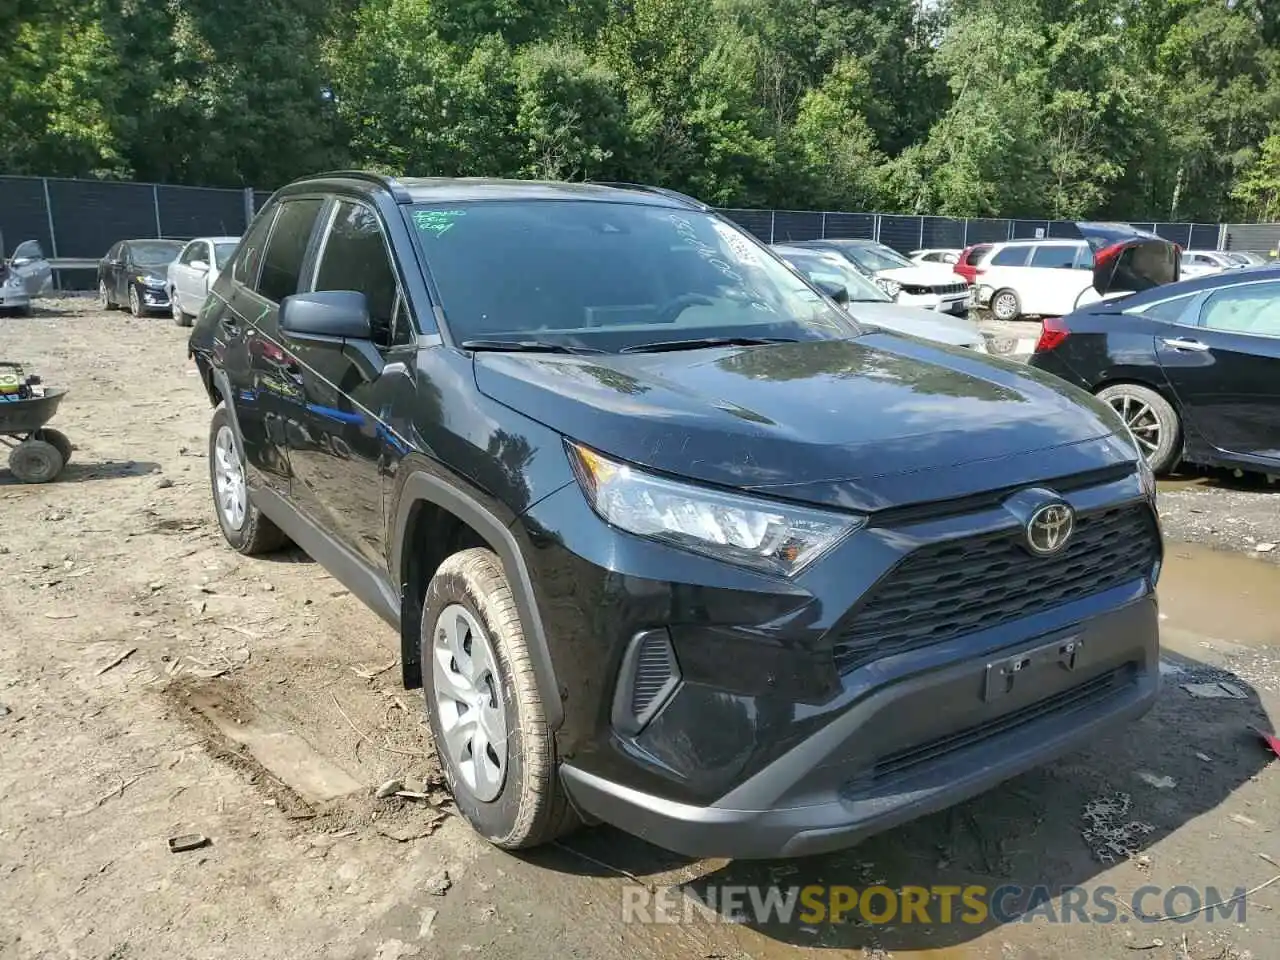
column 1052, row 283
column 1225, row 369
column 29, row 263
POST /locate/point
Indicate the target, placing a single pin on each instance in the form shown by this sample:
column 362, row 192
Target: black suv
column 669, row 541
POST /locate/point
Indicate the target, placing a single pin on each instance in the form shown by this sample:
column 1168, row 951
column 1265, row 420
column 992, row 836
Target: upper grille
column 938, row 288
column 948, row 589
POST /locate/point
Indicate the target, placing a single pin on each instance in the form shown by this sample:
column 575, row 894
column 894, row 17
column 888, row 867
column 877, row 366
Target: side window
column 1252, row 309
column 1012, row 256
column 355, row 258
column 287, row 248
column 1084, row 257
column 1057, row 256
column 28, row 250
column 191, row 253
column 1170, row 311
column 245, row 269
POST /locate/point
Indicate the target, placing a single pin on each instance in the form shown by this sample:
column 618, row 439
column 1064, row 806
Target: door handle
column 1182, row 343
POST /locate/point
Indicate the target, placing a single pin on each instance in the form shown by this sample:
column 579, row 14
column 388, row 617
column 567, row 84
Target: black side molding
column 421, row 486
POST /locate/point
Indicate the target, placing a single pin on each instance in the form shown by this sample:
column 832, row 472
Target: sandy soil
column 154, row 684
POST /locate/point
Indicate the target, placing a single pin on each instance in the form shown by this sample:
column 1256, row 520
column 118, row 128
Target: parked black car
column 670, row 541
column 1193, row 367
column 134, row 273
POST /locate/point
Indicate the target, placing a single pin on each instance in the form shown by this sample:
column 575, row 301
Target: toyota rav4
column 669, row 541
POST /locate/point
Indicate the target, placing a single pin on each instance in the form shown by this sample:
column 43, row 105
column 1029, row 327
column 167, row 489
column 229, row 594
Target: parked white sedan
column 193, row 273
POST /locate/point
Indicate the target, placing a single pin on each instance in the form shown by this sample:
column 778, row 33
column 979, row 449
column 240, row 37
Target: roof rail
column 648, row 188
column 397, row 189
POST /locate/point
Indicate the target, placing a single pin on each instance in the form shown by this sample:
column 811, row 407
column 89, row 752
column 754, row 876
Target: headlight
column 891, row 287
column 766, row 536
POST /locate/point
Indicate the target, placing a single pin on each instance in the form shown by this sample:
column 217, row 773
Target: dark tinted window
column 154, row 253
column 246, row 267
column 611, row 275
column 287, row 248
column 222, row 252
column 355, row 258
column 1015, row 256
column 1056, row 256
column 976, row 254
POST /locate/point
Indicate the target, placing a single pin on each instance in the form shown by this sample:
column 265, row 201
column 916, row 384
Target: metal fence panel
column 790, row 225
column 1063, row 230
column 187, row 212
column 22, row 214
column 1030, row 229
column 987, row 231
column 1205, row 236
column 1254, row 237
column 942, row 232
column 260, row 198
column 758, row 222
column 901, row 233
column 1179, row 233
column 850, row 226
column 89, row 216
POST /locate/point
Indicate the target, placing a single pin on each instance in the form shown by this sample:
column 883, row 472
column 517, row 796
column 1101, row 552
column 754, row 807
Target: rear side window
column 1015, row 256
column 246, row 267
column 1170, row 311
column 287, row 248
column 1056, row 256
column 355, row 258
column 1253, row 308
column 976, row 253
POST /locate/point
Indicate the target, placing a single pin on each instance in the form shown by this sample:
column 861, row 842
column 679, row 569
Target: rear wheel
column 35, row 461
column 58, row 439
column 484, row 706
column 1005, row 305
column 104, row 296
column 243, row 525
column 1152, row 421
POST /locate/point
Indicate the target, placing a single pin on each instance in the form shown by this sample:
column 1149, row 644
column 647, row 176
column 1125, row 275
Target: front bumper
column 154, row 298
column 12, row 298
column 953, row 303
column 855, row 778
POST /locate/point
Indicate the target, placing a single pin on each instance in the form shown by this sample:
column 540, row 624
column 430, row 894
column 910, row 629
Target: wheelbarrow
column 37, row 453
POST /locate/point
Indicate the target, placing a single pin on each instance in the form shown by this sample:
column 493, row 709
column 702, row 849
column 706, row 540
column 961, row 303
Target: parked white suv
column 193, row 273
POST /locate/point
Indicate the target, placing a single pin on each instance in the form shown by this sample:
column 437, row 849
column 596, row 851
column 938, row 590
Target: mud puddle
column 1220, row 596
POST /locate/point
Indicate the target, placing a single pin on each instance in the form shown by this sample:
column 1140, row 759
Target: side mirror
column 336, row 320
column 200, row 265
column 836, row 291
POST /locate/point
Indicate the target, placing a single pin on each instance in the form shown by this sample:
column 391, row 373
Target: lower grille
column 942, row 289
column 956, row 587
column 655, row 668
column 1076, row 698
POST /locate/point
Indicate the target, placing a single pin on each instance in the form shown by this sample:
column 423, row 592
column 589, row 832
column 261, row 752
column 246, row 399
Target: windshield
column 154, row 253
column 876, row 258
column 831, row 269
column 222, row 253
column 608, row 276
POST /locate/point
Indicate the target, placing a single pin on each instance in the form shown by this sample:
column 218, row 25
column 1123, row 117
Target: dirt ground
column 154, row 684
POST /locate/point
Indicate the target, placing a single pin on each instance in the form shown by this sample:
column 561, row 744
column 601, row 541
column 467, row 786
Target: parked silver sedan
column 23, row 277
column 193, row 273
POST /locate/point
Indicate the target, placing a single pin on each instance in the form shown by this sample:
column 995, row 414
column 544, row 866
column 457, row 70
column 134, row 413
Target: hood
column 864, row 424
column 924, row 274
column 915, row 322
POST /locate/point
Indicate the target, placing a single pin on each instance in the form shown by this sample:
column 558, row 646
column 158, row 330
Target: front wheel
column 180, row 316
column 485, row 709
column 243, row 525
column 35, row 461
column 135, row 302
column 1152, row 421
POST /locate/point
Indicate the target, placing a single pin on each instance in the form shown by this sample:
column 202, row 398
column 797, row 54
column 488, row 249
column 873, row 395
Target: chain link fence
column 81, row 219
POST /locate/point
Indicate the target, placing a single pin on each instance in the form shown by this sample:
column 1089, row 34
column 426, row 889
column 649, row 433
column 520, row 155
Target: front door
column 189, row 277
column 29, row 263
column 338, row 478
column 1226, row 370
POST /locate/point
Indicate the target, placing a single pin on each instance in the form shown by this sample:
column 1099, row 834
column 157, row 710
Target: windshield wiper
column 524, row 346
column 664, row 346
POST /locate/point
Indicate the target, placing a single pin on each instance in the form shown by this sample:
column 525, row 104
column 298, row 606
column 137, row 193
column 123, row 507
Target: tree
column 1258, row 188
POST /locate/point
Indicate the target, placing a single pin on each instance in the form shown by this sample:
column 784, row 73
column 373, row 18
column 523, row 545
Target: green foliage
column 1137, row 109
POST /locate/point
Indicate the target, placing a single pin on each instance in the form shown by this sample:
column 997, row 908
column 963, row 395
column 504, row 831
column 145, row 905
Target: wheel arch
column 433, row 519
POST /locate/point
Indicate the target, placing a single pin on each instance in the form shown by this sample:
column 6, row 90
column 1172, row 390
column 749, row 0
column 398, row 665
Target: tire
column 104, row 296
column 35, row 461
column 135, row 302
column 1005, row 305
column 180, row 316
column 1148, row 415
column 246, row 529
column 529, row 806
column 58, row 439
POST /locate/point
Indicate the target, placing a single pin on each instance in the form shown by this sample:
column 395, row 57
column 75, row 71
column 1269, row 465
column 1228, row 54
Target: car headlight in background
column 766, row 536
column 153, row 282
column 891, row 287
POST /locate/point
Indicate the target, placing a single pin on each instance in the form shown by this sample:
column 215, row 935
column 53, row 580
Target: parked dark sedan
column 1192, row 367
column 134, row 272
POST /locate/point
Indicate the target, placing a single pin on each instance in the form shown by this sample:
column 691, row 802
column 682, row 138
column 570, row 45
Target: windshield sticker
column 737, row 245
column 437, row 222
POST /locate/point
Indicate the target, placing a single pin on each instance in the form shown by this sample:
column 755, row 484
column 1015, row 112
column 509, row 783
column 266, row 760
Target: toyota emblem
column 1050, row 528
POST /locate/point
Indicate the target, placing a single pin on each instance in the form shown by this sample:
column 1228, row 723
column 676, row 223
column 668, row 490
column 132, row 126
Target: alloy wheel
column 1141, row 420
column 135, row 303
column 103, row 300
column 232, row 495
column 468, row 694
column 1005, row 306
